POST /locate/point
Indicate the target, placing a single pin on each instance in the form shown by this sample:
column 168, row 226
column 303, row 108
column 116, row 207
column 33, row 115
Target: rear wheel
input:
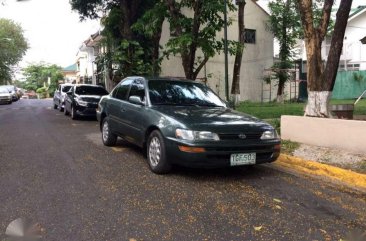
column 108, row 138
column 156, row 153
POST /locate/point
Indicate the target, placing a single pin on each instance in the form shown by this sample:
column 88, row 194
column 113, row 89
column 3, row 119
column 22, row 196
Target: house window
column 249, row 36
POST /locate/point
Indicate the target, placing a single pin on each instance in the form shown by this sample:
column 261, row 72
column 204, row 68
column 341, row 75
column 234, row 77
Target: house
column 354, row 52
column 257, row 56
column 69, row 73
column 85, row 60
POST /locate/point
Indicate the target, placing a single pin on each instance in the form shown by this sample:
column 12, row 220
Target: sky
column 54, row 32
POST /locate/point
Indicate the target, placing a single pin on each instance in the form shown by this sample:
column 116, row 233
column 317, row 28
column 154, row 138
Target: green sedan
column 182, row 122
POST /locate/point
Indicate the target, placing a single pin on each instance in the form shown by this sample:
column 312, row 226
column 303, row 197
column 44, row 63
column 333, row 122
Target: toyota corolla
column 182, row 122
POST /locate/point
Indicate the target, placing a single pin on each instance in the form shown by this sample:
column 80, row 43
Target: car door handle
column 123, row 109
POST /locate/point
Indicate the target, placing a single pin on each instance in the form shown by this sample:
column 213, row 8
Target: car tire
column 65, row 111
column 156, row 153
column 54, row 106
column 60, row 106
column 108, row 138
column 74, row 116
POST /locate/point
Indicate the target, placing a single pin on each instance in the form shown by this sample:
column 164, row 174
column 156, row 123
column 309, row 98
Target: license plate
column 242, row 159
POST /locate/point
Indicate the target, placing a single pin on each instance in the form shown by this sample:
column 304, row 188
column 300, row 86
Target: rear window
column 90, row 90
column 66, row 88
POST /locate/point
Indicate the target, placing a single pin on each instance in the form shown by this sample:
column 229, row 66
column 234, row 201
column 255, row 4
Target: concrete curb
column 337, row 174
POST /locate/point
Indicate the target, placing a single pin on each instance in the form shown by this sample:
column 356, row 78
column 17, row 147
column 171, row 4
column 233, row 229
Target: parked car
column 59, row 96
column 5, row 95
column 185, row 123
column 13, row 92
column 82, row 100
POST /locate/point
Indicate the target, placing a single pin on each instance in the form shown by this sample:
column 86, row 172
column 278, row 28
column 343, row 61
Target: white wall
column 256, row 56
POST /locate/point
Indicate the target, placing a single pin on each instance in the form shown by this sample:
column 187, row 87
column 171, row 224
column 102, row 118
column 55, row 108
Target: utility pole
column 226, row 54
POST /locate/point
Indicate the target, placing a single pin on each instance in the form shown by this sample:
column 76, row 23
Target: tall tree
column 284, row 24
column 194, row 26
column 321, row 79
column 13, row 46
column 129, row 48
column 235, row 87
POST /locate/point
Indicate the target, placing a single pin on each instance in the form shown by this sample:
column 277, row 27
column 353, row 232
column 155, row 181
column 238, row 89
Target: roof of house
column 358, row 11
column 70, row 68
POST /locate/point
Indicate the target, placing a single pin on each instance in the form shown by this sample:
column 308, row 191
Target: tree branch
column 324, row 22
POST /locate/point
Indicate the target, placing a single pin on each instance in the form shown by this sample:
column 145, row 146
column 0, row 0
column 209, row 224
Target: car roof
column 80, row 85
column 165, row 78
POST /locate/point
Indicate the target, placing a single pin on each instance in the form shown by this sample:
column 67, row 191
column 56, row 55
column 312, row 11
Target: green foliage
column 358, row 77
column 37, row 76
column 197, row 33
column 131, row 55
column 274, row 110
column 41, row 90
column 13, row 46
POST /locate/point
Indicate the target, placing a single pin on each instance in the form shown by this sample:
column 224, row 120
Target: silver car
column 59, row 96
column 5, row 95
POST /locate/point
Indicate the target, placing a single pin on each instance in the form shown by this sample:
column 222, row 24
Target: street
column 56, row 172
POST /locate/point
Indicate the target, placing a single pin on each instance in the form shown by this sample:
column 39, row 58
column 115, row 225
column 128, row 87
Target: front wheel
column 156, row 153
column 74, row 116
column 54, row 106
column 109, row 139
column 65, row 111
column 60, row 106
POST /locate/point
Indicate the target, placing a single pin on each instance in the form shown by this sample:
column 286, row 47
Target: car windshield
column 90, row 90
column 182, row 93
column 66, row 88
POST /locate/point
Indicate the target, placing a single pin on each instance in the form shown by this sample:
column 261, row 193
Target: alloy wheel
column 105, row 131
column 154, row 151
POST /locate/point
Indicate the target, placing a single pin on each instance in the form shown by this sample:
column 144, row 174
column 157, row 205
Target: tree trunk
column 235, row 87
column 320, row 87
column 284, row 56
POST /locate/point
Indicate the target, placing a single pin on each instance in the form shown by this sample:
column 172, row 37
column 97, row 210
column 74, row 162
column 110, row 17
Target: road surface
column 56, row 172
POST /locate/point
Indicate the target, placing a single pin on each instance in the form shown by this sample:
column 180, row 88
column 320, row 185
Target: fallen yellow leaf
column 277, row 200
column 258, row 228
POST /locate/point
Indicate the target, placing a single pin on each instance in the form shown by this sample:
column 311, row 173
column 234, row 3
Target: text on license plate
column 242, row 159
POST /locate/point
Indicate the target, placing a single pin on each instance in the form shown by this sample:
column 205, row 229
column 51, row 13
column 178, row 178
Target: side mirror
column 69, row 93
column 136, row 100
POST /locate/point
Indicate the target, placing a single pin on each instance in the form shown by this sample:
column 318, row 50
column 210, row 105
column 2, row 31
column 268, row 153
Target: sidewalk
column 335, row 165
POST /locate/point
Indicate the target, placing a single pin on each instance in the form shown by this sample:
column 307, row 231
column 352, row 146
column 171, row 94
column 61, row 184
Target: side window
column 120, row 92
column 138, row 89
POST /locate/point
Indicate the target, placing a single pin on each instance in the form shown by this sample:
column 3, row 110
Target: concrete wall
column 335, row 133
column 256, row 56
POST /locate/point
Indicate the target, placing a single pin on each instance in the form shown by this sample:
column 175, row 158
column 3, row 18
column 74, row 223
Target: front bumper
column 217, row 154
column 86, row 111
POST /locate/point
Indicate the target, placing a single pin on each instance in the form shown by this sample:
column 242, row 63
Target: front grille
column 236, row 136
column 239, row 148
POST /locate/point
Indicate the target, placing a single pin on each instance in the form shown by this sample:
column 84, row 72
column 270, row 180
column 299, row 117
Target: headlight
column 196, row 135
column 269, row 135
column 81, row 102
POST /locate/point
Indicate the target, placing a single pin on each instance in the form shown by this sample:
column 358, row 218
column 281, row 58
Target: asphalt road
column 56, row 172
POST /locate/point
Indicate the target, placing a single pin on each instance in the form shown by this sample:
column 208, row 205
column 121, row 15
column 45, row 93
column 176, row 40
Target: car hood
column 215, row 119
column 5, row 94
